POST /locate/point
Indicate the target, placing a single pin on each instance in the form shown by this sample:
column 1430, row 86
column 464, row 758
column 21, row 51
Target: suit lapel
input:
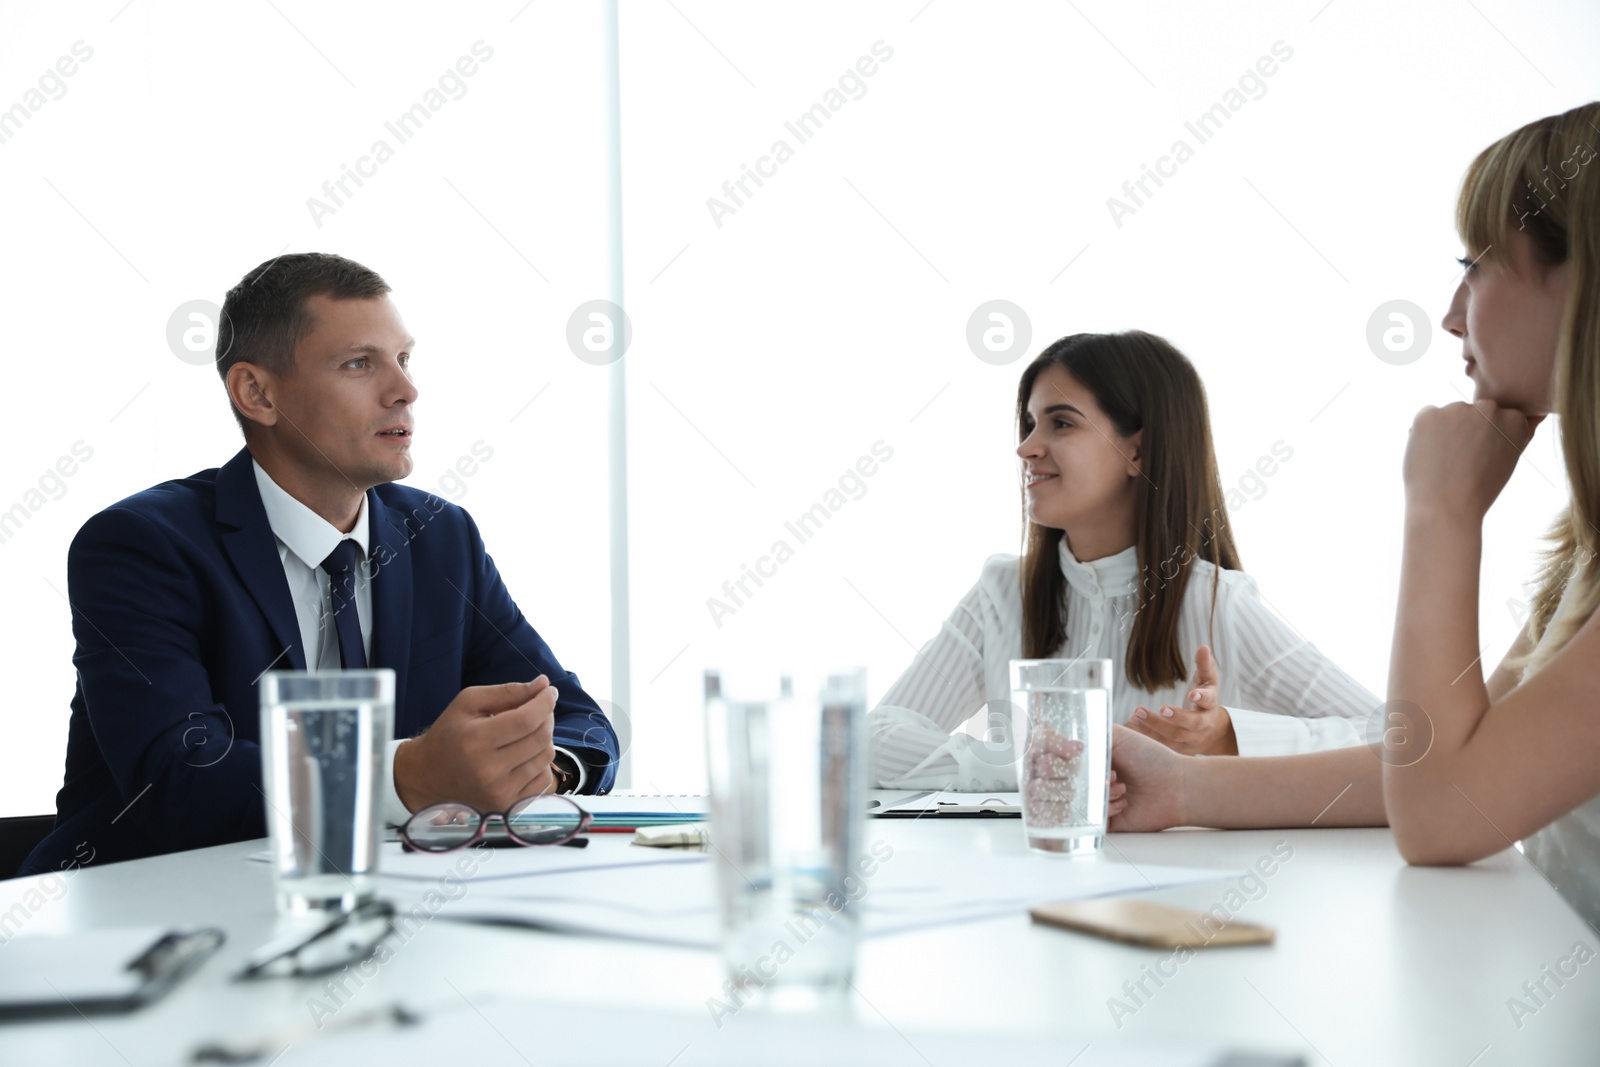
column 248, row 540
column 390, row 566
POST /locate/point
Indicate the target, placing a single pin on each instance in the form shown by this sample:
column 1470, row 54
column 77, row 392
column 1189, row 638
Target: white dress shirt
column 305, row 539
column 1281, row 693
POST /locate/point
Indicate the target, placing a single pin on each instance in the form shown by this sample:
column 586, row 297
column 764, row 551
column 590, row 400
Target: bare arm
column 1339, row 787
column 1501, row 769
column 1496, row 770
column 1274, row 791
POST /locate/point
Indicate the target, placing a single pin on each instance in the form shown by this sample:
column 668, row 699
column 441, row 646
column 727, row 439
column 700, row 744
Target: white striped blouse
column 1281, row 693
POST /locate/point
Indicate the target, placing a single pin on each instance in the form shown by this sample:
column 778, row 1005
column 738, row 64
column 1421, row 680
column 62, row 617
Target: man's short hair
column 265, row 315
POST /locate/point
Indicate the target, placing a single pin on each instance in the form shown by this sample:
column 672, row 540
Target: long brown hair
column 1141, row 382
column 1544, row 180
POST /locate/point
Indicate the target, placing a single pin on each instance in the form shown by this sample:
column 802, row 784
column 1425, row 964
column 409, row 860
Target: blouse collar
column 1116, row 575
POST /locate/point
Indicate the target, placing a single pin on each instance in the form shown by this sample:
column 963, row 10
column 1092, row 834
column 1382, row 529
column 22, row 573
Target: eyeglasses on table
column 546, row 819
column 346, row 938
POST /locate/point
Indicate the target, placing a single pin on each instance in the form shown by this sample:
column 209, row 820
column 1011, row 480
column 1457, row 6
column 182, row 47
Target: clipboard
column 97, row 971
column 949, row 804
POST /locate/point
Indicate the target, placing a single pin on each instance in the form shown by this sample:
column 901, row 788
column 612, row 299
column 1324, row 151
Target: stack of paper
column 634, row 810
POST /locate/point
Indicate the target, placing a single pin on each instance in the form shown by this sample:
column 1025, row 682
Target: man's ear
column 250, row 388
column 1135, row 453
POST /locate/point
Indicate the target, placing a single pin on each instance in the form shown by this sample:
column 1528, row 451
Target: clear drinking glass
column 323, row 736
column 788, row 804
column 1064, row 712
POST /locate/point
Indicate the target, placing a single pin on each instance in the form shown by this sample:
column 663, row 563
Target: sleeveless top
column 1568, row 850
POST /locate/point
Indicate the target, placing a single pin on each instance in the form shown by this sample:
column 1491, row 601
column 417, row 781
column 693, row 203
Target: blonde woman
column 1468, row 766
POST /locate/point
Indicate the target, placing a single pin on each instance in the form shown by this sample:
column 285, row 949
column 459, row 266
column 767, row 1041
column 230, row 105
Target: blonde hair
column 1544, row 179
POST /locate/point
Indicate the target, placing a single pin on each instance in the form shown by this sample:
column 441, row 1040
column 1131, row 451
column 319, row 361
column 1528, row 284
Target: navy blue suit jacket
column 179, row 604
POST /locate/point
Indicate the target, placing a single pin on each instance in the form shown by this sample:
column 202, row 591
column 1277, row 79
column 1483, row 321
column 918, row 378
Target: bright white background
column 827, row 313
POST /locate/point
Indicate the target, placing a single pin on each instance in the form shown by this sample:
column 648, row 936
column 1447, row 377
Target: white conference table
column 1375, row 962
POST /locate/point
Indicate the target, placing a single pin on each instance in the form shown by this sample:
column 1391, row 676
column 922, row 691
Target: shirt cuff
column 1261, row 733
column 395, row 813
column 982, row 766
column 577, row 769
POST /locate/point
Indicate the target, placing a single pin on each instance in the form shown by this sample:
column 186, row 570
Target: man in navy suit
column 301, row 553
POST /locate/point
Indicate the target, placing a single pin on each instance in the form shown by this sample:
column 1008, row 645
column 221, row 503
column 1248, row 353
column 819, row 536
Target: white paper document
column 485, row 865
column 513, row 864
column 676, row 903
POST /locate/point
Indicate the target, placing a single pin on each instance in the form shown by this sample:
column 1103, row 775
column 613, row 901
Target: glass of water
column 323, row 736
column 788, row 814
column 1064, row 712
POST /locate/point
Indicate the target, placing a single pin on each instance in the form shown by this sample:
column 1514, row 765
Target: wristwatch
column 566, row 780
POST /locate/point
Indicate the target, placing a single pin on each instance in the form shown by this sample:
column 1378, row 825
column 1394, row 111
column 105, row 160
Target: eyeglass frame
column 585, row 820
column 377, row 908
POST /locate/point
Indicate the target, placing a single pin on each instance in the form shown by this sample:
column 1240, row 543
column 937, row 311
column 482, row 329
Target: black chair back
column 18, row 836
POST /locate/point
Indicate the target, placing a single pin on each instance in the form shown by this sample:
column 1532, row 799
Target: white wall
column 191, row 142
column 827, row 313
